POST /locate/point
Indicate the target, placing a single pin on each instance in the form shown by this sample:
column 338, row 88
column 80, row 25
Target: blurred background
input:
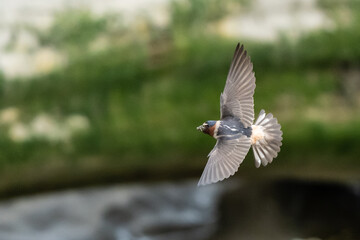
column 100, row 100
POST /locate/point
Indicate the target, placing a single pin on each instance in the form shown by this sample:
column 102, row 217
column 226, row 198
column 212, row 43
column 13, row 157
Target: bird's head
column 207, row 127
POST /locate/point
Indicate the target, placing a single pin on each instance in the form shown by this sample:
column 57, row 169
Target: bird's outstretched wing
column 224, row 159
column 237, row 99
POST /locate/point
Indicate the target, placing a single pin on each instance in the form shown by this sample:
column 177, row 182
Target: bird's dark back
column 231, row 128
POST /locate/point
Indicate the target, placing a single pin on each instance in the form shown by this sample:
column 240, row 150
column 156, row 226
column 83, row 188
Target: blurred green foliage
column 148, row 89
column 73, row 27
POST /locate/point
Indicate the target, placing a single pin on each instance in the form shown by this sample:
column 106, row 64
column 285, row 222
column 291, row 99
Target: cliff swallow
column 236, row 131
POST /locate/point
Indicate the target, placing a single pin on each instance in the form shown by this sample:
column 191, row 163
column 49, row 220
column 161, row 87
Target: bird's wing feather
column 237, row 99
column 224, row 159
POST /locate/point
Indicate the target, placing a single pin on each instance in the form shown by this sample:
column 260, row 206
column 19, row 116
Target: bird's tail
column 265, row 138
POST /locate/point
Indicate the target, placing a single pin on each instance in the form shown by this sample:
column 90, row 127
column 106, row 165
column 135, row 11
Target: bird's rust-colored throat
column 210, row 130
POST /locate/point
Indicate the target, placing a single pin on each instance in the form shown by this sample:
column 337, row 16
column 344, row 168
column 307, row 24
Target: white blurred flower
column 15, row 64
column 9, row 115
column 23, row 64
column 99, row 44
column 264, row 20
column 18, row 132
column 46, row 60
column 44, row 126
column 76, row 123
column 5, row 37
column 25, row 42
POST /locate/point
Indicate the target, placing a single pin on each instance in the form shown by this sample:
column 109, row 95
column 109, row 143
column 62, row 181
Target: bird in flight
column 236, row 131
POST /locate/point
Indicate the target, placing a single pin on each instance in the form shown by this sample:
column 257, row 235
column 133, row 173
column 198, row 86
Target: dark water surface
column 290, row 209
column 234, row 209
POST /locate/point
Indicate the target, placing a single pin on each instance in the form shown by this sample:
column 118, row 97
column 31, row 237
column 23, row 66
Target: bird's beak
column 200, row 128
